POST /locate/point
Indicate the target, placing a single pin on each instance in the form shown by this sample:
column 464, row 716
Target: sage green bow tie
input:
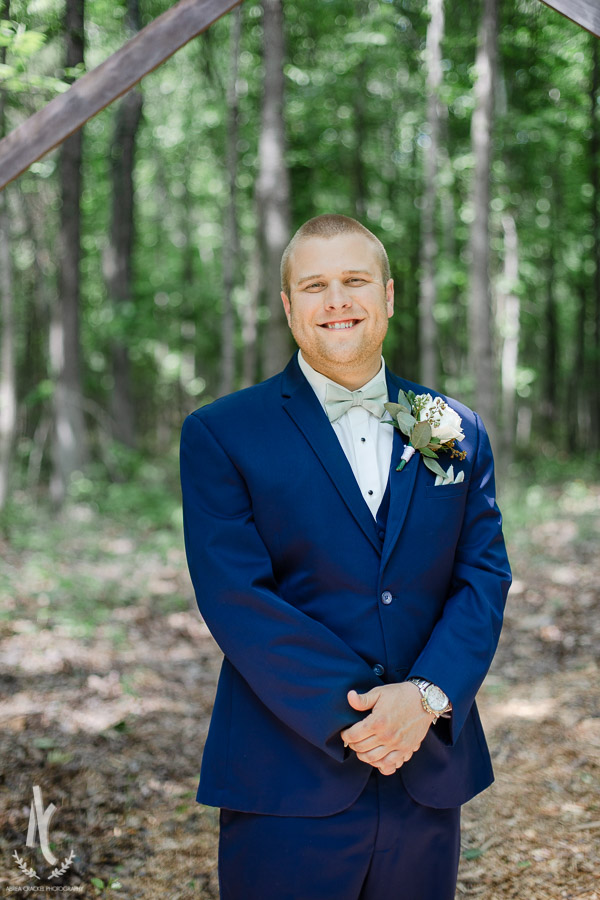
column 338, row 400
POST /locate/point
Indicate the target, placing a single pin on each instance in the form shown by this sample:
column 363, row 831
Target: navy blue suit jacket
column 288, row 572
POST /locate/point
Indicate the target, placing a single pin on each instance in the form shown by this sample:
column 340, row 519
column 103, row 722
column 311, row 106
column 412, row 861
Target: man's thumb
column 362, row 701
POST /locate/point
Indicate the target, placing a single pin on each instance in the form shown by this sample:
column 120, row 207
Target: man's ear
column 287, row 307
column 389, row 297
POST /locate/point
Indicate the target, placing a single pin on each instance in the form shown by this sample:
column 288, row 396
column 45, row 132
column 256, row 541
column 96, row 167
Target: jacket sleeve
column 298, row 668
column 461, row 647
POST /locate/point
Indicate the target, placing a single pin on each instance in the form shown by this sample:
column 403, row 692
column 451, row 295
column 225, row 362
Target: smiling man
column 358, row 607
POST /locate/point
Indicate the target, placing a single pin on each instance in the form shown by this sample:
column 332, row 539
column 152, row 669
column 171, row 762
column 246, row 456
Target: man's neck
column 352, row 377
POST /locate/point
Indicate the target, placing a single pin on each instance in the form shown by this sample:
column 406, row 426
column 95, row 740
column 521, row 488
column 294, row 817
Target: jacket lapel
column 401, row 483
column 302, row 405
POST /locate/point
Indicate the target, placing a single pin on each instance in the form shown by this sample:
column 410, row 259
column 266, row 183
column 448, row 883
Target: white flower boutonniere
column 431, row 427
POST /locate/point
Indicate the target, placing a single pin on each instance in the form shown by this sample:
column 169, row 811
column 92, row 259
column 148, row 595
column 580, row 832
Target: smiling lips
column 338, row 326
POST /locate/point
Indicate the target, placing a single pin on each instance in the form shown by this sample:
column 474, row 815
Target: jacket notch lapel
column 401, row 483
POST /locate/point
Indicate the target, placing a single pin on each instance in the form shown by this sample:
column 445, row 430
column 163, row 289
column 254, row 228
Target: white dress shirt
column 366, row 443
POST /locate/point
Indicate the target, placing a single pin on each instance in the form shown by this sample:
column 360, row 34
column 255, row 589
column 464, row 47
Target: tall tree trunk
column 250, row 319
column 510, row 315
column 480, row 312
column 594, row 381
column 578, row 410
column 117, row 261
column 8, row 380
column 69, row 437
column 273, row 190
column 230, row 231
column 359, row 178
column 550, row 400
column 428, row 336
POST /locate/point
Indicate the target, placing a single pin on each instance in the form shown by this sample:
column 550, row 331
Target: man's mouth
column 338, row 326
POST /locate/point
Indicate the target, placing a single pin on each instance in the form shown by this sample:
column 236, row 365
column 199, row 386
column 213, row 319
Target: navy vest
column 382, row 512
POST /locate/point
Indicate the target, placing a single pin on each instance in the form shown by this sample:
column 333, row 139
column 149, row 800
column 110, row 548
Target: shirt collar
column 319, row 382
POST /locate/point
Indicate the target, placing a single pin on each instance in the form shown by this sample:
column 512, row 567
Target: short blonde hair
column 327, row 226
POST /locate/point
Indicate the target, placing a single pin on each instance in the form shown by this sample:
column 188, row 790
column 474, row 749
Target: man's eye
column 360, row 280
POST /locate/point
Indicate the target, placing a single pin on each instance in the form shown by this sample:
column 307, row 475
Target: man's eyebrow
column 345, row 272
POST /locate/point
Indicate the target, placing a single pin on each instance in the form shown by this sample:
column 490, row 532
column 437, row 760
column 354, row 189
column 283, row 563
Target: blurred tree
column 273, row 190
column 8, row 372
column 70, row 440
column 427, row 302
column 117, row 261
column 481, row 350
column 231, row 242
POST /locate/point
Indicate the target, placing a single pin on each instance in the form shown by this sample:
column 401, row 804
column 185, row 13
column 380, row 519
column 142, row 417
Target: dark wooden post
column 583, row 12
column 96, row 89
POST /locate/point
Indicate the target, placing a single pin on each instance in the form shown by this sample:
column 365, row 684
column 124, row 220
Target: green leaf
column 427, row 452
column 406, row 423
column 394, row 409
column 434, row 466
column 411, row 396
column 404, row 401
column 97, row 882
column 421, row 435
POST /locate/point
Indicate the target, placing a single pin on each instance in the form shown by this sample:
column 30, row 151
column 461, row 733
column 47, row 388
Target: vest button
column 386, row 598
column 378, row 669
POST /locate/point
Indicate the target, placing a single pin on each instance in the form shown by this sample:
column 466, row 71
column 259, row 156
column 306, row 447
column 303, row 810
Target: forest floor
column 108, row 674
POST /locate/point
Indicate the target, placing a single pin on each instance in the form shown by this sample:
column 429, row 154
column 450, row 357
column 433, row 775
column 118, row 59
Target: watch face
column 436, row 698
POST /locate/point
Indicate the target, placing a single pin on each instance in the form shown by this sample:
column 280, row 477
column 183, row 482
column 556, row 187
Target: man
column 330, row 580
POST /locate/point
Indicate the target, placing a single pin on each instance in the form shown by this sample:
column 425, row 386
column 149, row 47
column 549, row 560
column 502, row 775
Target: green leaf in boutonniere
column 434, row 466
column 430, row 425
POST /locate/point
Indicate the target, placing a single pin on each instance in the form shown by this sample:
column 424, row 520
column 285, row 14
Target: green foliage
column 356, row 130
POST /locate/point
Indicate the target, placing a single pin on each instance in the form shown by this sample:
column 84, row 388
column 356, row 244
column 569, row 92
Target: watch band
column 424, row 687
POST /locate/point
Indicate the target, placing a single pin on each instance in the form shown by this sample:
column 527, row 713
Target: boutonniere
column 431, row 427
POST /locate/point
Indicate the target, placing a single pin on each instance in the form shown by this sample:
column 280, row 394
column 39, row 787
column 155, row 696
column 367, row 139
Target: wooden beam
column 583, row 12
column 115, row 76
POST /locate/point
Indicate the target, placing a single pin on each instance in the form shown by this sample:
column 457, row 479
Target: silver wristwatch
column 434, row 700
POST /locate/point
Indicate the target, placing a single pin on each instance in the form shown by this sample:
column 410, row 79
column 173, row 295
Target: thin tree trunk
column 578, row 409
column 359, row 178
column 117, row 261
column 69, row 437
column 550, row 365
column 8, row 379
column 428, row 337
column 230, row 231
column 273, row 190
column 480, row 312
column 510, row 310
column 594, row 381
column 250, row 319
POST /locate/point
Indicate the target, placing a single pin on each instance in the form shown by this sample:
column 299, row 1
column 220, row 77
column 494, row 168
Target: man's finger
column 363, row 701
column 358, row 732
column 368, row 743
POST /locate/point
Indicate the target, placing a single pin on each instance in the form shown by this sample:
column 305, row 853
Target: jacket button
column 386, row 598
column 378, row 669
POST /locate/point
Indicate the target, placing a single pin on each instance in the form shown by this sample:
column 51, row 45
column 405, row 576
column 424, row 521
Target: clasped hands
column 393, row 731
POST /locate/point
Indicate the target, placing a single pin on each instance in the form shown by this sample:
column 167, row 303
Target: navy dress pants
column 383, row 847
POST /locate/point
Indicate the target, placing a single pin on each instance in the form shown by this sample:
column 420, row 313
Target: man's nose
column 336, row 295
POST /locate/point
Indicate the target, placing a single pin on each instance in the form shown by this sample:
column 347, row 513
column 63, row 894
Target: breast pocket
column 446, row 491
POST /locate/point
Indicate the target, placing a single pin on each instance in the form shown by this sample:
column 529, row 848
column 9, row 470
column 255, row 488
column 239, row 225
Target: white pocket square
column 449, row 477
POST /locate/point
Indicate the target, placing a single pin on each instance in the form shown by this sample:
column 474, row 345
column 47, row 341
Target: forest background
column 139, row 279
column 140, row 259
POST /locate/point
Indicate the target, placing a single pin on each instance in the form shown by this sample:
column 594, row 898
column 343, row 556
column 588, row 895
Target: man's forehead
column 343, row 253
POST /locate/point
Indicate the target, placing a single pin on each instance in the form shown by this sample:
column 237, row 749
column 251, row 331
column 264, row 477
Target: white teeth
column 340, row 325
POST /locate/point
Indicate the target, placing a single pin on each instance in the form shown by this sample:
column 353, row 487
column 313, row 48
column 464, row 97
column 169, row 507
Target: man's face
column 339, row 307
